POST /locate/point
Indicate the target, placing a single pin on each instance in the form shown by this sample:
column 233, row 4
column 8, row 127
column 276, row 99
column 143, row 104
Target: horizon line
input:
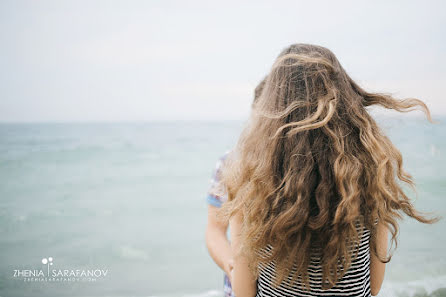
column 376, row 116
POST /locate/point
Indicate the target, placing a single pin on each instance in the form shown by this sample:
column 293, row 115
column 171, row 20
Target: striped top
column 356, row 282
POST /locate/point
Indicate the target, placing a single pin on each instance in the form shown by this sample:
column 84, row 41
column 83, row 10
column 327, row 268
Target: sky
column 84, row 61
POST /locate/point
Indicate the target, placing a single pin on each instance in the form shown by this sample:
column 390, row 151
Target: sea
column 119, row 209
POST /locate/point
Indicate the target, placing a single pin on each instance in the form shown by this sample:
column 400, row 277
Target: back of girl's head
column 259, row 89
column 312, row 165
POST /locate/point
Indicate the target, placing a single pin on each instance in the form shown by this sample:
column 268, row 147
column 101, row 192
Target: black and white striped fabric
column 356, row 282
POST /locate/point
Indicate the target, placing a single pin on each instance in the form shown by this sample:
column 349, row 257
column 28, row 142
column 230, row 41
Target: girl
column 312, row 184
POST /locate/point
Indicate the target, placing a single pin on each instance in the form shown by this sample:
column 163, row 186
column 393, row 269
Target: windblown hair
column 311, row 165
column 258, row 90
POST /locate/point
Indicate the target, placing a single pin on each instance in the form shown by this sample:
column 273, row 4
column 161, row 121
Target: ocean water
column 128, row 200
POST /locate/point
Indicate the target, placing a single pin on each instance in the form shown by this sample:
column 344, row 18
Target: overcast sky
column 166, row 60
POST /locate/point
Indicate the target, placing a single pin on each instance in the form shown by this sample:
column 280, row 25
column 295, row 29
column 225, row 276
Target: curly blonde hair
column 311, row 164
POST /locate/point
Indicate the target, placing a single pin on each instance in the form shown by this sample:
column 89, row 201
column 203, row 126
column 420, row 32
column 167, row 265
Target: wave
column 428, row 287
